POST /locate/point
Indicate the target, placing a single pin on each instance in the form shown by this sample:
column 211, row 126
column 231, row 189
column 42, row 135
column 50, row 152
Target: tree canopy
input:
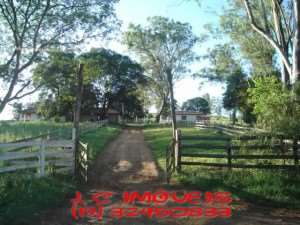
column 252, row 46
column 196, row 105
column 30, row 28
column 165, row 48
column 110, row 81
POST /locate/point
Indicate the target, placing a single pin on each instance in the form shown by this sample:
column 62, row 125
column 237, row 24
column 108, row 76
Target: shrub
column 22, row 198
column 276, row 107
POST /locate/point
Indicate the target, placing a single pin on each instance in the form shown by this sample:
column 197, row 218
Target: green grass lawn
column 22, row 198
column 275, row 188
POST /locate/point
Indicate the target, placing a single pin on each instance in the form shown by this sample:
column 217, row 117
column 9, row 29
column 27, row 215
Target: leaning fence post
column 229, row 154
column 295, row 153
column 178, row 150
column 42, row 163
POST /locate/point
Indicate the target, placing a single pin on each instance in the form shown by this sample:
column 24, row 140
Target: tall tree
column 57, row 75
column 116, row 77
column 165, row 48
column 226, row 67
column 196, row 105
column 253, row 47
column 278, row 21
column 29, row 27
column 235, row 96
column 110, row 80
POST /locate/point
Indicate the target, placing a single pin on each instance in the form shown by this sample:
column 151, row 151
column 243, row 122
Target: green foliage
column 276, row 107
column 35, row 28
column 163, row 44
column 110, row 80
column 253, row 47
column 225, row 66
column 236, row 90
column 236, row 96
column 22, row 198
column 116, row 78
column 196, row 105
column 223, row 62
column 165, row 49
column 255, row 186
column 57, row 76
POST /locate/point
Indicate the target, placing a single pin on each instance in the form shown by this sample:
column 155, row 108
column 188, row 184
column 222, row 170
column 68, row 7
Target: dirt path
column 127, row 165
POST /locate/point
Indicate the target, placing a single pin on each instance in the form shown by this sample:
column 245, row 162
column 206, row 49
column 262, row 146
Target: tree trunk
column 103, row 109
column 77, row 107
column 233, row 116
column 281, row 36
column 296, row 52
column 269, row 35
column 285, row 77
column 173, row 113
column 157, row 119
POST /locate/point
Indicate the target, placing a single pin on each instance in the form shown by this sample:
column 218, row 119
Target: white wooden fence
column 44, row 155
column 39, row 154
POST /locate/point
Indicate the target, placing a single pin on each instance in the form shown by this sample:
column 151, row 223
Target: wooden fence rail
column 81, row 165
column 170, row 160
column 43, row 155
column 285, row 149
column 57, row 154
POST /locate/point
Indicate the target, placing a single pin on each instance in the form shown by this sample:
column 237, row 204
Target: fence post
column 295, row 153
column 74, row 149
column 86, row 162
column 178, row 150
column 229, row 154
column 42, row 163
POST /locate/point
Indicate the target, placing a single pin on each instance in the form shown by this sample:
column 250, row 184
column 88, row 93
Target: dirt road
column 127, row 165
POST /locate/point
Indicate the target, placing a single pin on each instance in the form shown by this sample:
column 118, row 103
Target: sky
column 137, row 12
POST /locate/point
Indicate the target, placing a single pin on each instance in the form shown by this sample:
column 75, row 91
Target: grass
column 97, row 139
column 12, row 131
column 22, row 197
column 275, row 188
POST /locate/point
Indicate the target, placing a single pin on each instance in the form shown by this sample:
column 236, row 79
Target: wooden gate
column 239, row 152
column 170, row 160
column 42, row 156
column 81, row 166
column 173, row 156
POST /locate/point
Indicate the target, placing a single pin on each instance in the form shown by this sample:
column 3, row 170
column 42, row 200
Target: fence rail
column 284, row 148
column 81, row 168
column 170, row 160
column 46, row 155
column 57, row 154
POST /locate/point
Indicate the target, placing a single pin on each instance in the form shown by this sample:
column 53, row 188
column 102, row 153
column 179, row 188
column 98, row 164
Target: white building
column 29, row 114
column 185, row 116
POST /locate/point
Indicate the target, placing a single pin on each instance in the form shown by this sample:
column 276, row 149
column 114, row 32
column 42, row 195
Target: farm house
column 186, row 116
column 29, row 114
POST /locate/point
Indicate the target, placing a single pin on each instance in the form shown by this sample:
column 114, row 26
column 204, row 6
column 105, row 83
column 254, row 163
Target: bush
column 22, row 198
column 277, row 108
